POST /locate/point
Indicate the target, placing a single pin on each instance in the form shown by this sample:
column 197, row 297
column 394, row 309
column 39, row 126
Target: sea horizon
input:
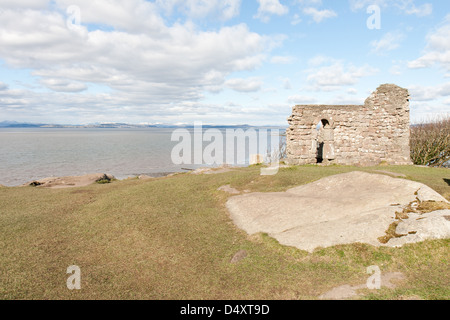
column 106, row 124
column 30, row 154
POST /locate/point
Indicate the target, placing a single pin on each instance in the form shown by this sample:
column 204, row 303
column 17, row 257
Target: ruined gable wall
column 362, row 135
column 389, row 128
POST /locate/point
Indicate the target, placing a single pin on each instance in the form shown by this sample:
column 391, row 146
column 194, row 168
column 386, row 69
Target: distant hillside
column 15, row 124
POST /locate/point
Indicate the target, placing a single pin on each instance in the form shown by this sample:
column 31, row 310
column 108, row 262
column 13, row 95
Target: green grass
column 172, row 238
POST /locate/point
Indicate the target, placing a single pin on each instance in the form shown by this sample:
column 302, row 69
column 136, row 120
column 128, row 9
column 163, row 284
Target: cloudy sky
column 216, row 61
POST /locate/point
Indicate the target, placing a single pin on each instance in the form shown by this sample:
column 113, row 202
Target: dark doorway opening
column 322, row 127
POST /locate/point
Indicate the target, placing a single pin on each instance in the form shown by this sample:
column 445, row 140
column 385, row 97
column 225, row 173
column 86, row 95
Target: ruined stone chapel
column 370, row 134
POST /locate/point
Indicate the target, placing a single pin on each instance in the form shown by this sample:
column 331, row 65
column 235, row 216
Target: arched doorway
column 325, row 142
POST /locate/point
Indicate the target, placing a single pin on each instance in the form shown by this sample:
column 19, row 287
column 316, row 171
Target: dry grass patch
column 172, row 238
column 420, row 207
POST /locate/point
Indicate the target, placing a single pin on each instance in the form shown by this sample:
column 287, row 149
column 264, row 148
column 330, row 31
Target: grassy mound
column 172, row 238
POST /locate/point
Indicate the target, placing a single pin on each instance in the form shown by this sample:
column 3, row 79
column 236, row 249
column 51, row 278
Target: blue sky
column 219, row 62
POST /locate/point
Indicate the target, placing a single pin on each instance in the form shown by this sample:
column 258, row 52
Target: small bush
column 103, row 181
column 430, row 142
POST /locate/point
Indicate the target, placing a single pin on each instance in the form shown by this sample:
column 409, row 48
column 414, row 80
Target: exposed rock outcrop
column 71, row 181
column 342, row 209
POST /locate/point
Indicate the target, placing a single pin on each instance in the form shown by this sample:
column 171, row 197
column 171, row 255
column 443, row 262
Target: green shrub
column 430, row 142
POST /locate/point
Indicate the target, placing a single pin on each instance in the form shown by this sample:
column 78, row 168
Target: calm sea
column 35, row 153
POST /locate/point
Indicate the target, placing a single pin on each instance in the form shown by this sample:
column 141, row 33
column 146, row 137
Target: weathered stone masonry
column 376, row 132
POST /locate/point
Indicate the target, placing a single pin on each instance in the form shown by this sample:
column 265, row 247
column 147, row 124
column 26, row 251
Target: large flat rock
column 341, row 209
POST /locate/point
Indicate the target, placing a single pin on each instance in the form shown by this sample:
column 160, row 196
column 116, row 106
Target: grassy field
column 172, row 238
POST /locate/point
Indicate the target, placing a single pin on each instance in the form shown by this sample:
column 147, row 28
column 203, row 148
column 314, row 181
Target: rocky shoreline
column 71, row 181
column 88, row 179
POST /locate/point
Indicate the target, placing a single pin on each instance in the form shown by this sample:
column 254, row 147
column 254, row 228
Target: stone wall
column 365, row 135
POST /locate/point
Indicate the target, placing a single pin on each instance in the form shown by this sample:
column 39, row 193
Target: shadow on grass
column 447, row 181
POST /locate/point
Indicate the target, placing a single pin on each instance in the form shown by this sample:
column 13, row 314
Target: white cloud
column 165, row 64
column 62, row 85
column 395, row 70
column 356, row 5
column 405, row 6
column 309, row 2
column 335, row 74
column 244, row 85
column 319, row 15
column 352, row 91
column 410, row 8
column 270, row 7
column 287, row 83
column 390, row 41
column 296, row 20
column 144, row 65
column 319, row 60
column 427, row 93
column 437, row 50
column 422, row 112
column 301, row 99
column 57, row 107
column 24, row 4
column 131, row 16
column 345, row 100
column 282, row 59
column 225, row 9
column 230, row 8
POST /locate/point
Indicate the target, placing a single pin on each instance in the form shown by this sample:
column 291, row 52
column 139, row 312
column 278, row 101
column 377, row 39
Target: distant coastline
column 113, row 125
